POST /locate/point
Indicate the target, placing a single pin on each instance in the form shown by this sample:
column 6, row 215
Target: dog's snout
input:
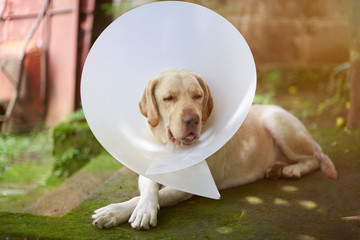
column 191, row 121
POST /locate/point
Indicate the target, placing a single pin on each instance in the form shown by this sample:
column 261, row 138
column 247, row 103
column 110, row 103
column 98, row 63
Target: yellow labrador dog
column 270, row 143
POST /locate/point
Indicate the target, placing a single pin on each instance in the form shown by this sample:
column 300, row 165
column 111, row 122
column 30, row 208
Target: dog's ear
column 208, row 103
column 147, row 104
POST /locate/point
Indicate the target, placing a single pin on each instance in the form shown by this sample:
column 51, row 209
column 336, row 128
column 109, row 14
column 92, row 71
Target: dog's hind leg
column 297, row 145
column 275, row 170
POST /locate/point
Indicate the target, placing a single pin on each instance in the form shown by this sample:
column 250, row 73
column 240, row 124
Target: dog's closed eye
column 197, row 96
column 169, row 98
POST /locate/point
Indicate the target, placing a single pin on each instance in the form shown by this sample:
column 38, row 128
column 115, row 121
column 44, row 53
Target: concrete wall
column 290, row 32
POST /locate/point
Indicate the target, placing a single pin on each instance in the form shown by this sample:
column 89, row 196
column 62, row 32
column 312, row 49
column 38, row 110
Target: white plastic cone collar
column 134, row 49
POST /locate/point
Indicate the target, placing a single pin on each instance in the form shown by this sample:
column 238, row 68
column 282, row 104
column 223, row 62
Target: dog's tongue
column 190, row 137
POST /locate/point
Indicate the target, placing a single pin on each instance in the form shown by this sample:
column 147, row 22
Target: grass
column 34, row 146
column 26, row 173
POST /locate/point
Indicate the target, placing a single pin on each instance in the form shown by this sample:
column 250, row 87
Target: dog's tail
column 326, row 165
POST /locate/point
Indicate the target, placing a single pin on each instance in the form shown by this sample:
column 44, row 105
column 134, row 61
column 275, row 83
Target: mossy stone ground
column 313, row 207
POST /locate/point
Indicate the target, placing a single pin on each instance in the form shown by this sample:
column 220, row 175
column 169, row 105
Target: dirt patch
column 74, row 190
column 70, row 194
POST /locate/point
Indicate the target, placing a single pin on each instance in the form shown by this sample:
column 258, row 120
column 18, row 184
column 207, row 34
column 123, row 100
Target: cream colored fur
column 271, row 143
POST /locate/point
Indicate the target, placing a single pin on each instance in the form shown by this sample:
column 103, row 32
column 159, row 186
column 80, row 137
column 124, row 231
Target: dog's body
column 271, row 143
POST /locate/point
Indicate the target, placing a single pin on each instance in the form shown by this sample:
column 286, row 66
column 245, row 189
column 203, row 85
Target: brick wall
column 290, row 32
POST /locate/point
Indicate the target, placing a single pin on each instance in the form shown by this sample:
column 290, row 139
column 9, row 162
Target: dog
column 271, row 143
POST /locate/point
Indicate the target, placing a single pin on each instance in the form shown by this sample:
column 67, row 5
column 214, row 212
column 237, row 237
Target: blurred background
column 306, row 53
column 43, row 46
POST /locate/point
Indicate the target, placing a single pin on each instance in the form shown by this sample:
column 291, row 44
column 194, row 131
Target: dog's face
column 176, row 103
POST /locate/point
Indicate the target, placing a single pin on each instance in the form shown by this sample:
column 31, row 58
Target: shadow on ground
column 312, row 208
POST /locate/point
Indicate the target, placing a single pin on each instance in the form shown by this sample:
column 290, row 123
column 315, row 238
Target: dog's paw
column 144, row 215
column 291, row 171
column 111, row 215
column 275, row 171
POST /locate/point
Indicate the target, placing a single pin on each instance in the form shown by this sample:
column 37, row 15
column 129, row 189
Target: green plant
column 74, row 145
column 338, row 86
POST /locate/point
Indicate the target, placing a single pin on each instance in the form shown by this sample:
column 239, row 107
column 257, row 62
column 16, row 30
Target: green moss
column 309, row 208
column 103, row 161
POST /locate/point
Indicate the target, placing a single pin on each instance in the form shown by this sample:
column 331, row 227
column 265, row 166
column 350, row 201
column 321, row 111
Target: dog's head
column 176, row 103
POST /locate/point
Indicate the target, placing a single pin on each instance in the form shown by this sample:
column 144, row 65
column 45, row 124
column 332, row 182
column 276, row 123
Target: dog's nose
column 191, row 121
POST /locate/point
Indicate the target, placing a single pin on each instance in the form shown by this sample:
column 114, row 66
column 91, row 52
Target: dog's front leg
column 151, row 199
column 140, row 211
column 114, row 214
column 145, row 214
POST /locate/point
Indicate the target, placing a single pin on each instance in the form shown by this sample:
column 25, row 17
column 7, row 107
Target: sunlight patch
column 281, row 202
column 307, row 204
column 289, row 188
column 305, row 237
column 351, row 218
column 254, row 200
